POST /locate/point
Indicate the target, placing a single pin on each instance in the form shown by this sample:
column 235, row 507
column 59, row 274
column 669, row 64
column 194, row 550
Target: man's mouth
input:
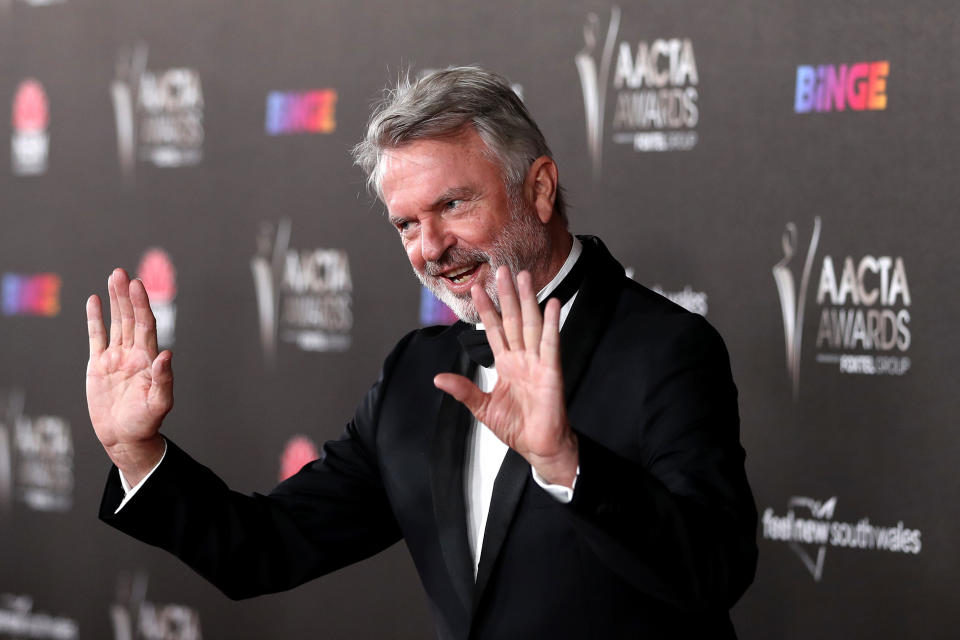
column 461, row 275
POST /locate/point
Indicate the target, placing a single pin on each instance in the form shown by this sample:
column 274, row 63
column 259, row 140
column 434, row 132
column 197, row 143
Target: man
column 598, row 488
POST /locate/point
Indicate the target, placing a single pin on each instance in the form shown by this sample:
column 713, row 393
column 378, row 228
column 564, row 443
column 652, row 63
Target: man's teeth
column 458, row 275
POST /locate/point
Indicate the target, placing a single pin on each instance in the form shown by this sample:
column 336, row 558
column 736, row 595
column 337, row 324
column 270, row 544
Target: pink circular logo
column 158, row 275
column 299, row 451
column 30, row 111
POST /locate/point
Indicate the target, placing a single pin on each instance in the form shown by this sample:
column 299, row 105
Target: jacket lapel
column 582, row 330
column 446, row 479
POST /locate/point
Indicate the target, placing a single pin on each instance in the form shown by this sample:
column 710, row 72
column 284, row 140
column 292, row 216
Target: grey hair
column 440, row 105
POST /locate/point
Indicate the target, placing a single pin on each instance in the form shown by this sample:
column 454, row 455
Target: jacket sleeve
column 330, row 514
column 678, row 520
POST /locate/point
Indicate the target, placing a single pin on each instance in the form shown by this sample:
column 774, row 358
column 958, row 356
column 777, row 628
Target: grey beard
column 523, row 244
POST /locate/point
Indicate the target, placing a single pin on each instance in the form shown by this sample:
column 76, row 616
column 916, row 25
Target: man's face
column 457, row 223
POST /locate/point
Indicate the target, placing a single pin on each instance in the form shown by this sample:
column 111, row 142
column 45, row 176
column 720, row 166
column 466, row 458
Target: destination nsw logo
column 809, row 528
column 861, row 86
column 301, row 112
column 864, row 309
column 30, row 144
column 654, row 84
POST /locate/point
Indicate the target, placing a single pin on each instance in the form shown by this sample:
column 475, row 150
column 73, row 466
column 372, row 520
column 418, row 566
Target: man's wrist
column 562, row 468
column 136, row 460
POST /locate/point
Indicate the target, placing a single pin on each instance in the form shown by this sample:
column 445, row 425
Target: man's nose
column 434, row 240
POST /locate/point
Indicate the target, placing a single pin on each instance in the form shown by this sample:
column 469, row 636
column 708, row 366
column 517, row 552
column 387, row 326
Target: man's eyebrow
column 454, row 193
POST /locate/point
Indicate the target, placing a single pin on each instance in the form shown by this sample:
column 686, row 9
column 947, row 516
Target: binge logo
column 159, row 114
column 864, row 325
column 136, row 618
column 304, row 297
column 298, row 452
column 433, row 311
column 31, row 295
column 160, row 280
column 301, row 112
column 859, row 86
column 809, row 537
column 30, row 144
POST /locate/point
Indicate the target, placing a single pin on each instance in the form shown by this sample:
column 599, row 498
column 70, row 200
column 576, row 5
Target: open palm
column 526, row 407
column 129, row 384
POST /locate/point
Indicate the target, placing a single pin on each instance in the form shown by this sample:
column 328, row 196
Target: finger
column 490, row 318
column 550, row 341
column 465, row 391
column 532, row 319
column 160, row 396
column 121, row 284
column 145, row 324
column 116, row 335
column 95, row 329
column 509, row 309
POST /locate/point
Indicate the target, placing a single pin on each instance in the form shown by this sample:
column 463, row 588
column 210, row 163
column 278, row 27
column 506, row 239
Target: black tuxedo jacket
column 659, row 540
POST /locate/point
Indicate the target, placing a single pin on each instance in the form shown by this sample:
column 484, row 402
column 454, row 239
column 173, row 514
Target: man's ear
column 541, row 187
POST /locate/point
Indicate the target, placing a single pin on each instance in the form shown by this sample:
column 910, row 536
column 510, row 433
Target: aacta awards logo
column 311, row 111
column 159, row 114
column 135, row 618
column 19, row 620
column 30, row 143
column 860, row 86
column 814, row 529
column 36, row 457
column 654, row 85
column 299, row 451
column 304, row 297
column 864, row 310
column 160, row 280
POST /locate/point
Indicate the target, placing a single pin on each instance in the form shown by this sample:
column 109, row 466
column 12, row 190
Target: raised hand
column 129, row 384
column 526, row 407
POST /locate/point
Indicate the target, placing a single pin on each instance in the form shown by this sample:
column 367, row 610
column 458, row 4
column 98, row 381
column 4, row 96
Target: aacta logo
column 301, row 112
column 159, row 114
column 655, row 90
column 304, row 297
column 858, row 87
column 35, row 294
column 298, row 452
column 30, row 144
column 36, row 457
column 160, row 280
column 809, row 528
column 864, row 315
column 135, row 618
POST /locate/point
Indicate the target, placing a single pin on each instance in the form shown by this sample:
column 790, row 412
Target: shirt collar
column 575, row 250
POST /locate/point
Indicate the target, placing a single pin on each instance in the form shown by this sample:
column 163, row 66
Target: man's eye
column 453, row 204
column 403, row 225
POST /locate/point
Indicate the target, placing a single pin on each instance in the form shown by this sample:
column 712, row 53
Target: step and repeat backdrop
column 788, row 170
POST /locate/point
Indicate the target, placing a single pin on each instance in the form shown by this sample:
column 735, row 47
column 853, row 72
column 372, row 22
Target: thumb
column 161, row 385
column 464, row 390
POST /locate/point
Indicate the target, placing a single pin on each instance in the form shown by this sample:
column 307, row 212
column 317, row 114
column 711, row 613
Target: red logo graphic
column 30, row 111
column 158, row 276
column 299, row 451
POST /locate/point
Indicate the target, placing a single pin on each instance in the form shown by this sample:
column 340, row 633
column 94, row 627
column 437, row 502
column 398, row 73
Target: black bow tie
column 474, row 341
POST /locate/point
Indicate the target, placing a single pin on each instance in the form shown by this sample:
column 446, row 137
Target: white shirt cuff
column 129, row 491
column 558, row 492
